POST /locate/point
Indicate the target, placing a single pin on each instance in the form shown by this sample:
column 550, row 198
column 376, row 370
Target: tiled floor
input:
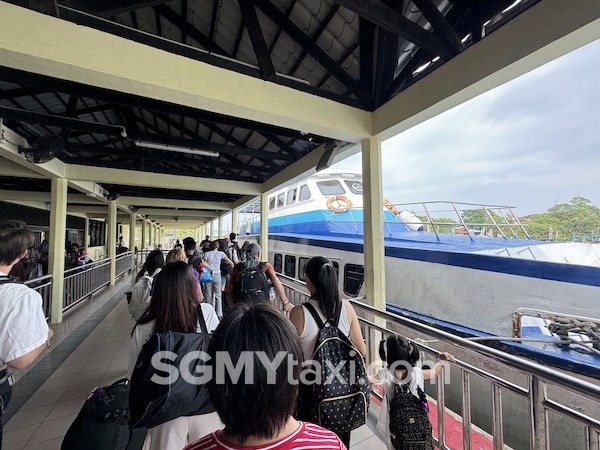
column 89, row 349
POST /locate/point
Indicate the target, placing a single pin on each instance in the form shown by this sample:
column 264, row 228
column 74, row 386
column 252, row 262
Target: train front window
column 289, row 267
column 278, row 262
column 304, row 193
column 355, row 187
column 354, row 276
column 331, row 187
column 291, row 197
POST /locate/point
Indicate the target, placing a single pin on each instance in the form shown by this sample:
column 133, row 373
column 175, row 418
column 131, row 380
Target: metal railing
column 543, row 390
column 142, row 255
column 540, row 381
column 43, row 286
column 123, row 263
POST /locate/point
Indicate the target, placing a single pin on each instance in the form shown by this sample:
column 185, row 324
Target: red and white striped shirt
column 308, row 436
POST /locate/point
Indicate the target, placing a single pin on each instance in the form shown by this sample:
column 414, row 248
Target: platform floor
column 90, row 348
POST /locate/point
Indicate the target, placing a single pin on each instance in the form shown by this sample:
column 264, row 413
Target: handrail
column 535, row 390
column 43, row 286
column 539, row 379
column 551, row 376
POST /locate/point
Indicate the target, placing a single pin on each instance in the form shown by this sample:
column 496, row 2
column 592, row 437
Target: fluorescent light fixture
column 175, row 148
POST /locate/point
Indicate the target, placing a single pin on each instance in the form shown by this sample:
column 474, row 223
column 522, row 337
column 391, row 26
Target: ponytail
column 382, row 350
column 399, row 349
column 323, row 276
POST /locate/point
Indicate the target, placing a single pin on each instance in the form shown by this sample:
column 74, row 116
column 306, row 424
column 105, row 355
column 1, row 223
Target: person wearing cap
column 252, row 261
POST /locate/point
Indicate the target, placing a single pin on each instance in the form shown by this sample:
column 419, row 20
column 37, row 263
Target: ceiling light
column 175, row 148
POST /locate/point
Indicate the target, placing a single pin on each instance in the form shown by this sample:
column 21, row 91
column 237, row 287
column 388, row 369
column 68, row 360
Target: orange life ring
column 342, row 203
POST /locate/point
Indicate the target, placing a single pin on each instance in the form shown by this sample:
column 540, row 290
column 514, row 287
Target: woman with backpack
column 175, row 299
column 403, row 417
column 258, row 403
column 239, row 289
column 142, row 285
column 213, row 293
column 321, row 282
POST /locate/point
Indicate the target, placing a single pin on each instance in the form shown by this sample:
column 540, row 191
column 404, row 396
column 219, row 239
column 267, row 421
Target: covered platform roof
column 190, row 108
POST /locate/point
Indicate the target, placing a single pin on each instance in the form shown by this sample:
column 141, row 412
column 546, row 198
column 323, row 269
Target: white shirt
column 214, row 258
column 23, row 326
column 143, row 332
column 389, row 380
column 310, row 332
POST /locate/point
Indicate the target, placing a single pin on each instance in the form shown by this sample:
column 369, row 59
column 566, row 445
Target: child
column 398, row 378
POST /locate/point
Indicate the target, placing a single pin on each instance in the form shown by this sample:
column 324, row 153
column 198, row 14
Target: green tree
column 578, row 218
column 448, row 223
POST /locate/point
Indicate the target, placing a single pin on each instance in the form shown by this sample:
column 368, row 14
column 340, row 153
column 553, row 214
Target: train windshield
column 331, row 187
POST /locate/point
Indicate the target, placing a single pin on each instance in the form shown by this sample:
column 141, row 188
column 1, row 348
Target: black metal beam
column 107, row 8
column 213, row 20
column 126, row 99
column 258, row 40
column 288, row 11
column 48, row 7
column 69, row 112
column 390, row 20
column 292, row 30
column 21, row 115
column 242, row 150
column 189, row 29
column 21, row 92
column 332, row 12
column 439, row 23
column 135, row 152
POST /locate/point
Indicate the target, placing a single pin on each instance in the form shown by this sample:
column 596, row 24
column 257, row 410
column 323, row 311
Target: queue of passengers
column 261, row 405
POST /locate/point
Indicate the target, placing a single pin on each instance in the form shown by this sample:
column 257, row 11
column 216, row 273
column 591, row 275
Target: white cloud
column 525, row 143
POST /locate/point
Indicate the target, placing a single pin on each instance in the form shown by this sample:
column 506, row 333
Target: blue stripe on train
column 585, row 275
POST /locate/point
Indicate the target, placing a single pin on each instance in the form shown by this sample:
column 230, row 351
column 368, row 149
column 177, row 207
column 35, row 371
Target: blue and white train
column 476, row 280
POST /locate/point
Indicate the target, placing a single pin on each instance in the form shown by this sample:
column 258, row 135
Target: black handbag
column 158, row 395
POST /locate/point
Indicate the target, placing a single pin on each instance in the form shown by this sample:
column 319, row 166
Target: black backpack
column 225, row 268
column 410, row 428
column 155, row 402
column 103, row 422
column 252, row 284
column 338, row 405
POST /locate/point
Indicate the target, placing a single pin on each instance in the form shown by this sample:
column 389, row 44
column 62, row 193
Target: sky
column 530, row 143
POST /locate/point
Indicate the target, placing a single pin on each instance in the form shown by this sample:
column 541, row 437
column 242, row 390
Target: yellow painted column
column 58, row 230
column 264, row 226
column 234, row 221
column 132, row 237
column 220, row 227
column 374, row 256
column 144, row 224
column 112, row 240
column 86, row 235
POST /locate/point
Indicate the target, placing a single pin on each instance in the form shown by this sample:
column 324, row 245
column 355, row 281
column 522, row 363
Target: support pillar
column 374, row 251
column 144, row 232
column 220, row 227
column 234, row 221
column 86, row 235
column 264, row 226
column 58, row 230
column 132, row 237
column 112, row 240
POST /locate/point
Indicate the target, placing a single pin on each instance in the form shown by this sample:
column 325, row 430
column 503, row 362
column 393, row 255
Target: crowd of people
column 253, row 327
column 281, row 376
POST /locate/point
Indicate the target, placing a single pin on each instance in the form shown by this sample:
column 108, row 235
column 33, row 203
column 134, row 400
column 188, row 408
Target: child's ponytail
column 382, row 350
